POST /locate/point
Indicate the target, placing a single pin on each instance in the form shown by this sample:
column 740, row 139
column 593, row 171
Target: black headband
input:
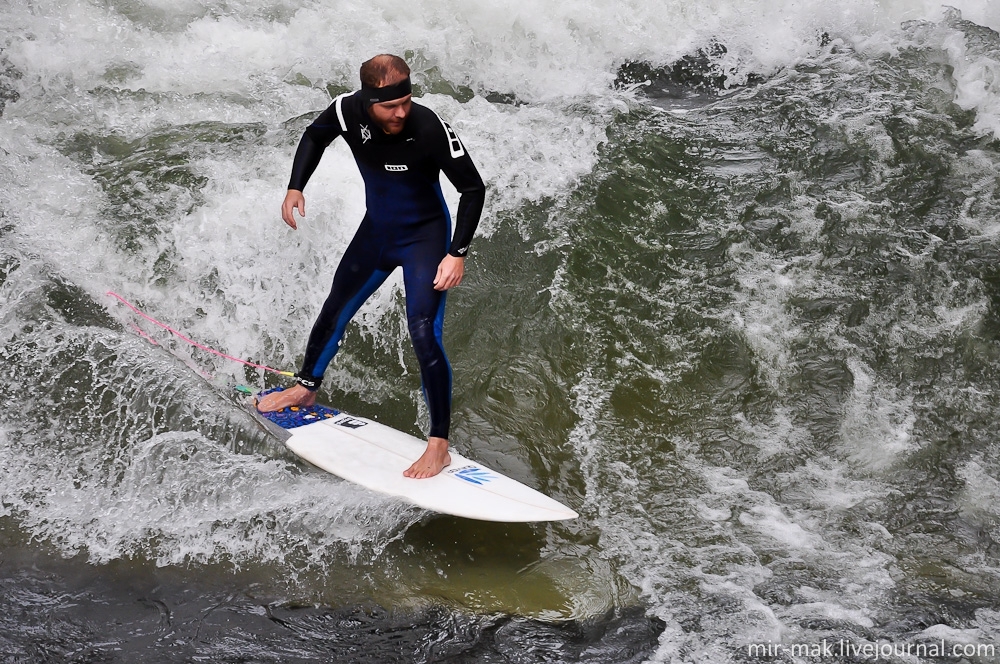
column 386, row 93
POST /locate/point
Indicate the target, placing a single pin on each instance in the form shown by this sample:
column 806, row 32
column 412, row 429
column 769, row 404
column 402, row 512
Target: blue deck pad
column 296, row 416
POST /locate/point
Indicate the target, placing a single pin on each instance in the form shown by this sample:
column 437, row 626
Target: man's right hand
column 293, row 200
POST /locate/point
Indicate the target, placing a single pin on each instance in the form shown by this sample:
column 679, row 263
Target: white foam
column 183, row 499
column 878, row 423
column 980, row 494
column 977, row 170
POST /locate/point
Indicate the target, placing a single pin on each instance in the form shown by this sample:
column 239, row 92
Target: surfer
column 401, row 148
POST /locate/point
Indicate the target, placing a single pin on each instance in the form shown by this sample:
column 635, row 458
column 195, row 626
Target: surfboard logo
column 350, row 423
column 473, row 475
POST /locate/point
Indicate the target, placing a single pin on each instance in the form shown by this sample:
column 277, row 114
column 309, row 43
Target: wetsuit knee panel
column 425, row 334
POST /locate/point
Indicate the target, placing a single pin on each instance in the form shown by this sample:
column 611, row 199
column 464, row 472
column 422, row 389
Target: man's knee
column 425, row 339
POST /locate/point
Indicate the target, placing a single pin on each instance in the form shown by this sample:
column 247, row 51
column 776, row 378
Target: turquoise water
column 734, row 300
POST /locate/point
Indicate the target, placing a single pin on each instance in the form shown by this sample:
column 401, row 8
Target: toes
column 422, row 470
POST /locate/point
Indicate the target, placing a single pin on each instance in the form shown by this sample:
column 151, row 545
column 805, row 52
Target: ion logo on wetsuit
column 407, row 224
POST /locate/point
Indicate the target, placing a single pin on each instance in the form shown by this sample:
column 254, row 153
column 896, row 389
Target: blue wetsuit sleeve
column 314, row 142
column 457, row 166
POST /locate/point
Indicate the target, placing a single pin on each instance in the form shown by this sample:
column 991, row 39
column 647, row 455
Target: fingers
column 294, row 200
column 286, row 215
column 449, row 273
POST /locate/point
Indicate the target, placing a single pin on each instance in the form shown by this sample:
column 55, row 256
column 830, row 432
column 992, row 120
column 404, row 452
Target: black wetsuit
column 407, row 224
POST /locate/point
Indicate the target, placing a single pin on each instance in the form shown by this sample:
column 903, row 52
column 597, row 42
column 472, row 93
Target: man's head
column 385, row 86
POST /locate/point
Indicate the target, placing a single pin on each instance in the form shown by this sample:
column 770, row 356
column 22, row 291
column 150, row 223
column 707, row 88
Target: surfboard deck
column 374, row 456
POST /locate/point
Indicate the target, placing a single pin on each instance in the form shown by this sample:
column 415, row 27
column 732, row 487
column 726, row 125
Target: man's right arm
column 314, row 142
column 307, row 157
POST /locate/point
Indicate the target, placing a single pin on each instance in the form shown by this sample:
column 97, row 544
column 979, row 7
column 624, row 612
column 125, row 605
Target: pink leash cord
column 136, row 311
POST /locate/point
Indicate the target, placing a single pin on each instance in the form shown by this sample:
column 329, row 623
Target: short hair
column 384, row 70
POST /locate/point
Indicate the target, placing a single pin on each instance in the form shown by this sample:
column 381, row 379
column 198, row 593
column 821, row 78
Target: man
column 400, row 148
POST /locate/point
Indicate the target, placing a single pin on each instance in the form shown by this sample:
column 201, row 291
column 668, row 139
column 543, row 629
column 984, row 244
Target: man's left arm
column 457, row 166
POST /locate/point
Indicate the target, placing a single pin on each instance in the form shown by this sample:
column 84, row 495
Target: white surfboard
column 375, row 456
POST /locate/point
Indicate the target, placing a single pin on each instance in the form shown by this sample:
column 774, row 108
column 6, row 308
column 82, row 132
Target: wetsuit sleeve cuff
column 309, row 382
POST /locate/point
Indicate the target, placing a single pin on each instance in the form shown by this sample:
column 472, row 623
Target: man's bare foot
column 432, row 461
column 295, row 395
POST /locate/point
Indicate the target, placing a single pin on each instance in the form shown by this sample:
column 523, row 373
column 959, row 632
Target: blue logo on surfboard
column 473, row 475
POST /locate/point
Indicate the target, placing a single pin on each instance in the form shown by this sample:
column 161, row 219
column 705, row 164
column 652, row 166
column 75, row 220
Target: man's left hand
column 450, row 273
